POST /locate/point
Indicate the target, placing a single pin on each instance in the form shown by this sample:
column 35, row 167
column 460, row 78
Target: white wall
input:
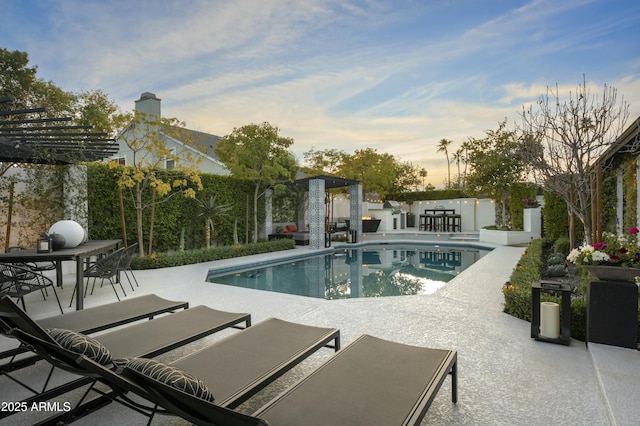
column 476, row 213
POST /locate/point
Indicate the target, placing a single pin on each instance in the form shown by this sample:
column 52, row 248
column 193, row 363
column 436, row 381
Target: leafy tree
column 42, row 201
column 16, row 77
column 495, row 164
column 323, row 162
column 209, row 210
column 144, row 136
column 443, row 146
column 565, row 139
column 258, row 153
column 380, row 173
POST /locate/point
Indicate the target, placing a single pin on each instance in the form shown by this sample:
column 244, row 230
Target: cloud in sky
column 397, row 76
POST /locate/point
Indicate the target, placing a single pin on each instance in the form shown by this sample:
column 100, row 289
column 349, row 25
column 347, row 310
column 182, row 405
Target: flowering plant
column 614, row 250
column 530, row 203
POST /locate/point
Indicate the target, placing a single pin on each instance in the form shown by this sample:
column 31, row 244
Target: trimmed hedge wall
column 177, row 225
column 437, row 194
column 189, row 257
column 517, row 193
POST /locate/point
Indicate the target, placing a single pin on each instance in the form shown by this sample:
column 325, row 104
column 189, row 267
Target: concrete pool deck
column 505, row 377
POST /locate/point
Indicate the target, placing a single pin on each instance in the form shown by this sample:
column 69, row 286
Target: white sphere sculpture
column 72, row 232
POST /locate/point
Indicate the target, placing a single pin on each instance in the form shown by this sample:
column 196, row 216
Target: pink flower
column 599, row 246
column 634, row 231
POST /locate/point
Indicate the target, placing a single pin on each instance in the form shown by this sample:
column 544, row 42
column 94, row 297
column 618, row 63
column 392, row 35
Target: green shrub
column 557, row 271
column 190, row 257
column 517, row 193
column 562, row 246
column 556, row 259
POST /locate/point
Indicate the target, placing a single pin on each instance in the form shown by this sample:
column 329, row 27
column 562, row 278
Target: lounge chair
column 146, row 339
column 384, row 383
column 99, row 318
column 237, row 366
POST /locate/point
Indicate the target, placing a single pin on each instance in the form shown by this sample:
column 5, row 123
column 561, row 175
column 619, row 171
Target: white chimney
column 149, row 104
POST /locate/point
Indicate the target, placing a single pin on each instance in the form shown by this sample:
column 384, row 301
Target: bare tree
column 564, row 139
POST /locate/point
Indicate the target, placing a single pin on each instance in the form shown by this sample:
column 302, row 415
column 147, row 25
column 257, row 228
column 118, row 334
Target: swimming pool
column 371, row 271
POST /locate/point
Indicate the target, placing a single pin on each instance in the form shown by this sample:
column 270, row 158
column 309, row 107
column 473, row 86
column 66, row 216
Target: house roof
column 627, row 143
column 204, row 142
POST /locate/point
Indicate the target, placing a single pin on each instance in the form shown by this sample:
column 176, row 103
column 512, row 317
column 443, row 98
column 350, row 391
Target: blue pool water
column 372, row 271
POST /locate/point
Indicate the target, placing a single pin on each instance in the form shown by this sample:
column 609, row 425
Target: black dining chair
column 46, row 265
column 125, row 264
column 105, row 268
column 17, row 281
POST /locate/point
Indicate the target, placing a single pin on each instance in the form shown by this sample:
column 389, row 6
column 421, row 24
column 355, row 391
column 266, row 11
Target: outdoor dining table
column 78, row 254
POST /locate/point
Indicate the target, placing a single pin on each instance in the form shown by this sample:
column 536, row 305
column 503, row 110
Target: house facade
column 177, row 140
column 622, row 161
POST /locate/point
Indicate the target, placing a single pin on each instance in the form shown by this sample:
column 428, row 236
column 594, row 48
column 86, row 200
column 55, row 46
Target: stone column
column 268, row 210
column 355, row 210
column 316, row 214
column 75, row 195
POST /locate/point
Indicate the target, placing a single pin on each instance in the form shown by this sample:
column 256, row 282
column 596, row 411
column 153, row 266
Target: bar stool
column 453, row 222
column 438, row 222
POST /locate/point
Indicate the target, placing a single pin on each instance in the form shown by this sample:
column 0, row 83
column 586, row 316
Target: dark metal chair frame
column 145, row 339
column 104, row 268
column 19, row 280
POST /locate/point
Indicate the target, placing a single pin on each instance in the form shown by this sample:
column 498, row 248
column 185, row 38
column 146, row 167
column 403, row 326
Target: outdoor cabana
column 317, row 185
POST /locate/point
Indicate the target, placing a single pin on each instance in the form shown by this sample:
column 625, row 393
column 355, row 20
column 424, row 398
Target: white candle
column 550, row 320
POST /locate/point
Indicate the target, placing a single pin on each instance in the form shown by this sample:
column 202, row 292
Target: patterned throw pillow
column 81, row 344
column 168, row 375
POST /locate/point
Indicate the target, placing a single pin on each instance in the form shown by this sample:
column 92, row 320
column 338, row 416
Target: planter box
column 505, row 238
column 370, row 225
column 612, row 313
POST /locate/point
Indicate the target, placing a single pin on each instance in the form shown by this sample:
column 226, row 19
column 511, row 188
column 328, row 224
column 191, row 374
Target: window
column 169, row 161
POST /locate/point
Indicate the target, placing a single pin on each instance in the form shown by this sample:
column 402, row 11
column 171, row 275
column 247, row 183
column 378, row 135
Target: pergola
column 27, row 138
column 317, row 225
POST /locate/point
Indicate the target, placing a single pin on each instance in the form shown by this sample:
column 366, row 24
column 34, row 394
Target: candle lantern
column 44, row 244
column 554, row 329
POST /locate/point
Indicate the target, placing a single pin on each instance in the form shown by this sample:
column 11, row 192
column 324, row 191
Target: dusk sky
column 393, row 75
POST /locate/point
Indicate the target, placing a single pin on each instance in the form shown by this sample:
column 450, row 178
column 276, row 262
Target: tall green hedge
column 436, row 194
column 555, row 216
column 630, row 173
column 176, row 224
column 517, row 193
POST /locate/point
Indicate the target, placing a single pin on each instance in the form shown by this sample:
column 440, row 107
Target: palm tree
column 457, row 157
column 442, row 146
column 209, row 209
column 466, row 146
column 423, row 175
